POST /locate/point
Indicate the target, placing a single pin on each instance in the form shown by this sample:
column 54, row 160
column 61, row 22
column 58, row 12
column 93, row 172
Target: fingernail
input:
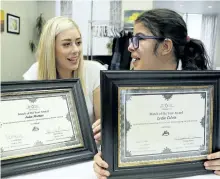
column 107, row 173
column 206, row 164
column 103, row 165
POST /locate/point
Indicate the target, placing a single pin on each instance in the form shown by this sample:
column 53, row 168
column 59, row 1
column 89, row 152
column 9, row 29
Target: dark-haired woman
column 161, row 42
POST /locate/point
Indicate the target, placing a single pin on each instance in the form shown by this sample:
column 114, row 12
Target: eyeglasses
column 135, row 39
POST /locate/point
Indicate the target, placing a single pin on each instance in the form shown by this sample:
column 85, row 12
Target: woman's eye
column 78, row 43
column 66, row 44
column 140, row 38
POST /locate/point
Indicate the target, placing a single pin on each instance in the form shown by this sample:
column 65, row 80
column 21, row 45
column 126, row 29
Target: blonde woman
column 60, row 56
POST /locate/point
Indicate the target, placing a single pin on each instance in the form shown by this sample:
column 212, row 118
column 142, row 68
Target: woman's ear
column 167, row 47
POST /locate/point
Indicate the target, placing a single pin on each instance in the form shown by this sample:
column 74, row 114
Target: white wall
column 101, row 12
column 16, row 55
column 217, row 50
column 81, row 15
column 48, row 8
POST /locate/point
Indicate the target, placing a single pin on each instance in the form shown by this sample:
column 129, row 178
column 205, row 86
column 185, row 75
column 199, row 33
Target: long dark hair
column 169, row 24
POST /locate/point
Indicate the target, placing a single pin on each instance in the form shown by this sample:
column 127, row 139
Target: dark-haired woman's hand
column 213, row 162
column 96, row 127
column 100, row 167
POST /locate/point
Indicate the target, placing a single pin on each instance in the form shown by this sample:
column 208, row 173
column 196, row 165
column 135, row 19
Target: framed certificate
column 159, row 124
column 43, row 124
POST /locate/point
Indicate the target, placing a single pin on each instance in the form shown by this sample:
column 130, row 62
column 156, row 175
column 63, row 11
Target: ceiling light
column 209, row 7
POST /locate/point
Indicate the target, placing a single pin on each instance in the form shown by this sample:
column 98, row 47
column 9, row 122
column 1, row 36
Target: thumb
column 214, row 156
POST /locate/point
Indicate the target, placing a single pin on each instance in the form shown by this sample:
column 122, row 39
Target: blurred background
column 100, row 22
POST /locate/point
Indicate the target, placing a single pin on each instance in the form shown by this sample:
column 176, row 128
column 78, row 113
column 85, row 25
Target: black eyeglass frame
column 135, row 39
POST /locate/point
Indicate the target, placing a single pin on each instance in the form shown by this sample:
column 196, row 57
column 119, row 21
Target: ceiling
column 192, row 7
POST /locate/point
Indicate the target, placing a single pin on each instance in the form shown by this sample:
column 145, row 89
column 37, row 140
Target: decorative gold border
column 17, row 93
column 134, row 164
column 211, row 119
column 72, row 100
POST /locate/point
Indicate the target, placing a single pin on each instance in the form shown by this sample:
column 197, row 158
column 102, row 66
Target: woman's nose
column 75, row 48
column 130, row 47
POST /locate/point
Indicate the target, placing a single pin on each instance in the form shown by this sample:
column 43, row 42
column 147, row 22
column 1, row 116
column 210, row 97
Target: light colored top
column 179, row 65
column 91, row 77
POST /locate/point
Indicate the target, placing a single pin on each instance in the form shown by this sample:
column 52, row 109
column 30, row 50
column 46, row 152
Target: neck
column 64, row 74
column 169, row 64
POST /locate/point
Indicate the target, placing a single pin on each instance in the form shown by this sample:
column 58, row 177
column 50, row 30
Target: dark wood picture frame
column 18, row 23
column 47, row 160
column 111, row 81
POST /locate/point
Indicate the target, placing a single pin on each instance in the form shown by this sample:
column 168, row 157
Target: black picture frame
column 13, row 24
column 16, row 166
column 111, row 81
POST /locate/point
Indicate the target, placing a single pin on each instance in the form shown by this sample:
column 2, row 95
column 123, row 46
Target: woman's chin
column 73, row 67
column 136, row 68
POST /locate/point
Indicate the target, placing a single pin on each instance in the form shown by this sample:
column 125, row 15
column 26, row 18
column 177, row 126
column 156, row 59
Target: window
column 194, row 24
column 204, row 28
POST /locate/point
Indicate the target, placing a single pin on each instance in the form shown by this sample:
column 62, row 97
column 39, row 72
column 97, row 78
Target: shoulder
column 93, row 65
column 31, row 73
column 92, row 73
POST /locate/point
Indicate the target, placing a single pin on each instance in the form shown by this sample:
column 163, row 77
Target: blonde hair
column 46, row 49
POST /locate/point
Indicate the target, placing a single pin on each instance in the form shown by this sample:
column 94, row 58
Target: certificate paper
column 164, row 124
column 38, row 122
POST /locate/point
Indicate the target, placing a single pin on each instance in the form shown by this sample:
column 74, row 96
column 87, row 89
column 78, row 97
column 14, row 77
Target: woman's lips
column 73, row 59
column 135, row 61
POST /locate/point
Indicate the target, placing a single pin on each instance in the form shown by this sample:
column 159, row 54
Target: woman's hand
column 96, row 127
column 213, row 163
column 100, row 167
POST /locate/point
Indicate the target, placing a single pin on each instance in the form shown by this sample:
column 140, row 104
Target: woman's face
column 68, row 48
column 145, row 57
